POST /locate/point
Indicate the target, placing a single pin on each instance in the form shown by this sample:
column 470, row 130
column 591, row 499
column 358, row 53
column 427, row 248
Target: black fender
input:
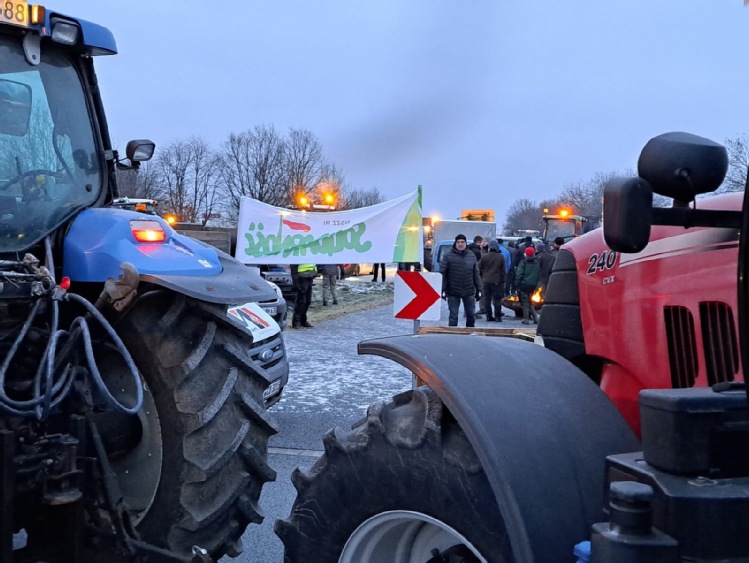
column 235, row 284
column 541, row 428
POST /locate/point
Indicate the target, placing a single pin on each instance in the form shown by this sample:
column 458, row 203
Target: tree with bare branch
column 143, row 182
column 523, row 214
column 252, row 165
column 738, row 163
column 204, row 174
column 188, row 171
column 304, row 163
column 356, row 198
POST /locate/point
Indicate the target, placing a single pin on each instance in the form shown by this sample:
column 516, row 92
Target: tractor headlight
column 65, row 31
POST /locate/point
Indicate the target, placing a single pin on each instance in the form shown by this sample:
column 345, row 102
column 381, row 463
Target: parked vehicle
column 352, row 270
column 147, row 206
column 134, row 362
column 567, row 225
column 280, row 275
column 444, row 233
column 511, row 451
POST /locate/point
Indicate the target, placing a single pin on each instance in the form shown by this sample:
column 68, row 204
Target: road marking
column 293, row 451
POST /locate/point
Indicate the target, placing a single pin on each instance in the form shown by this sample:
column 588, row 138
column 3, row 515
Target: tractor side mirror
column 140, row 150
column 627, row 214
column 682, row 165
column 136, row 151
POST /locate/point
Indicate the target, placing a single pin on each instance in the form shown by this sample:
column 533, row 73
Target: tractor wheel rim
column 139, row 472
column 403, row 536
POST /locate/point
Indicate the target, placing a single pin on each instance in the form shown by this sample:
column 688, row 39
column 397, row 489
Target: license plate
column 272, row 389
column 15, row 12
column 271, row 310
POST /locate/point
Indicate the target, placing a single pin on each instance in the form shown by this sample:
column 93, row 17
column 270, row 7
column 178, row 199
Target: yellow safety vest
column 307, row 270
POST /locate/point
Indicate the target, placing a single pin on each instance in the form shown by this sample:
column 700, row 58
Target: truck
column 444, row 232
column 136, row 364
column 619, row 435
column 567, row 225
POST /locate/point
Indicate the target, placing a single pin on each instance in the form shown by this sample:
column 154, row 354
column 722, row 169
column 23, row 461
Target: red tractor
column 518, row 452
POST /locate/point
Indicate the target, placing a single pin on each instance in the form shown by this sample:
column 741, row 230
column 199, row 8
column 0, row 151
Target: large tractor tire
column 403, row 485
column 192, row 463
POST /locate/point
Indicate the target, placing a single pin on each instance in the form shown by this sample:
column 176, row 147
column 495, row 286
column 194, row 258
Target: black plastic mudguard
column 541, row 428
column 236, row 284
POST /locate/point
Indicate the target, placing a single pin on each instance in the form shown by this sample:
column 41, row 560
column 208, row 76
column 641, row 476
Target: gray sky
column 481, row 102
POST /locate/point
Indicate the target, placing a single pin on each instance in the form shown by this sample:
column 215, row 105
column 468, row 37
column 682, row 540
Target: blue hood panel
column 99, row 240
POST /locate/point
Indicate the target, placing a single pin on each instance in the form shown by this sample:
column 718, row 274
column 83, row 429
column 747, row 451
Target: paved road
column 329, row 385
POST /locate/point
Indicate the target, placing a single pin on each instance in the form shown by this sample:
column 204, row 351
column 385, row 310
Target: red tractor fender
column 540, row 427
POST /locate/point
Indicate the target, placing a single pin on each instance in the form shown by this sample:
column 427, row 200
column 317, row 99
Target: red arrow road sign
column 425, row 295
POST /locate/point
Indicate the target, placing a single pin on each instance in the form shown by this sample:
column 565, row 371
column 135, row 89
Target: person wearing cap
column 558, row 242
column 526, row 279
column 460, row 281
column 522, row 244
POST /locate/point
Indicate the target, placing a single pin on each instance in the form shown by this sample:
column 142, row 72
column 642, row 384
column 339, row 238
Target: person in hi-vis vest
column 302, row 275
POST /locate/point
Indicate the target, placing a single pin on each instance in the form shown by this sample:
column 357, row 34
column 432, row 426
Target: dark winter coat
column 545, row 264
column 492, row 267
column 476, row 249
column 526, row 276
column 460, row 273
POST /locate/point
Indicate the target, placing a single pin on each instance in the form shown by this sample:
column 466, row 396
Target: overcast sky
column 481, row 102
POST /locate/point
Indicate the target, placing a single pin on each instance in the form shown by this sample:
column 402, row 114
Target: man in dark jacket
column 558, row 242
column 545, row 263
column 302, row 276
column 475, row 247
column 526, row 279
column 460, row 281
column 492, row 269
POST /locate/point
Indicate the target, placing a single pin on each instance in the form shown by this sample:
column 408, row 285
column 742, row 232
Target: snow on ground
column 325, row 368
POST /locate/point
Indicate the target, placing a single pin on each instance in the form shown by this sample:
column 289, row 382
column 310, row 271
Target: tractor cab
column 54, row 158
column 567, row 225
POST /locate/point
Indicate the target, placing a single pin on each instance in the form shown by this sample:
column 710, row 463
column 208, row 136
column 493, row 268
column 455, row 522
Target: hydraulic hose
column 49, row 392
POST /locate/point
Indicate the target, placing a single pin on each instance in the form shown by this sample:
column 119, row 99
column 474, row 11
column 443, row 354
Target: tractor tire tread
column 215, row 464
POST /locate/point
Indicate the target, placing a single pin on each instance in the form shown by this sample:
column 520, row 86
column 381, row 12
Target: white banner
column 387, row 232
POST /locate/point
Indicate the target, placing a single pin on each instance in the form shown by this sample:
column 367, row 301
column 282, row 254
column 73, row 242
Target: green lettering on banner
column 259, row 244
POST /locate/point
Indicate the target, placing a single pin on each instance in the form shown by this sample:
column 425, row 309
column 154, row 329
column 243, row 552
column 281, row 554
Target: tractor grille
column 719, row 342
column 273, row 348
column 682, row 348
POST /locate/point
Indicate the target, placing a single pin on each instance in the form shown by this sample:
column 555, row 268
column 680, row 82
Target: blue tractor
column 136, row 364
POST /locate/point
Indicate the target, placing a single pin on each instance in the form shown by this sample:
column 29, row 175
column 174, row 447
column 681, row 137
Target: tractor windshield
column 49, row 163
column 556, row 228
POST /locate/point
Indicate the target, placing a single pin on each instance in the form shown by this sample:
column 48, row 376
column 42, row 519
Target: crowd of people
column 484, row 270
column 488, row 271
